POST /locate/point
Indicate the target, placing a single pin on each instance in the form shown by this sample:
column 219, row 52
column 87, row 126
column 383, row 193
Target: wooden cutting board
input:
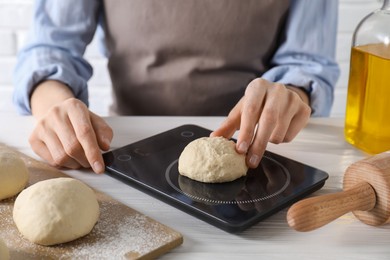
column 120, row 233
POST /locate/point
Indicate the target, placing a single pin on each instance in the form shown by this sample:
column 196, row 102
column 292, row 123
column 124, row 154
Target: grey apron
column 188, row 57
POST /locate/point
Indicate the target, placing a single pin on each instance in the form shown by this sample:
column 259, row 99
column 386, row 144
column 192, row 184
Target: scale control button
column 124, row 157
column 187, row 134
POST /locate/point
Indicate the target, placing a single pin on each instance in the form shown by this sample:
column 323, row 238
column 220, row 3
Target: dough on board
column 212, row 160
column 13, row 174
column 4, row 252
column 56, row 211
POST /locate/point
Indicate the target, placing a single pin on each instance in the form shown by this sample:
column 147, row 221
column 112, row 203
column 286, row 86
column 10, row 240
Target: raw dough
column 212, row 160
column 56, row 211
column 4, row 253
column 13, row 174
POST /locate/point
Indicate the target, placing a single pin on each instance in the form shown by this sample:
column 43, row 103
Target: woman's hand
column 67, row 134
column 268, row 112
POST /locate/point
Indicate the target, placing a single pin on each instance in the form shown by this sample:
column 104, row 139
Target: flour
column 118, row 234
column 132, row 237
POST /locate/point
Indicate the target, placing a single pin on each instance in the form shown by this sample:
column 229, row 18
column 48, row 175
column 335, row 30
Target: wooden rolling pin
column 366, row 192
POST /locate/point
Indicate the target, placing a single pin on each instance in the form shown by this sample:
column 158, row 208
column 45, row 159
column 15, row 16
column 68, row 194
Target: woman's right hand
column 67, row 134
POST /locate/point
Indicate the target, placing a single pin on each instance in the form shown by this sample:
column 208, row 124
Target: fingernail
column 106, row 141
column 254, row 160
column 98, row 167
column 243, row 147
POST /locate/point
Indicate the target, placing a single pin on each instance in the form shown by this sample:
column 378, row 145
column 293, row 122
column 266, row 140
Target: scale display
column 152, row 166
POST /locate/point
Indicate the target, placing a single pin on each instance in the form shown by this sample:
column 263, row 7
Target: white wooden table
column 321, row 144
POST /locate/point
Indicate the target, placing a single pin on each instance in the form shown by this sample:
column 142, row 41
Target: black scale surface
column 152, row 166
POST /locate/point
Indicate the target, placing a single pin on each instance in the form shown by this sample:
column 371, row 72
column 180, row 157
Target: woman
column 270, row 63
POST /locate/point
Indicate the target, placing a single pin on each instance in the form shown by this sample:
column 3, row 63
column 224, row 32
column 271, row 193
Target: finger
column 293, row 118
column 287, row 128
column 269, row 118
column 51, row 150
column 298, row 122
column 103, row 131
column 281, row 128
column 254, row 96
column 267, row 123
column 41, row 150
column 231, row 123
column 79, row 118
column 69, row 141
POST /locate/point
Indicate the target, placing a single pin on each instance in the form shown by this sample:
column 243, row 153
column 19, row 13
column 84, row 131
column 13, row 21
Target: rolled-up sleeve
column 307, row 56
column 57, row 40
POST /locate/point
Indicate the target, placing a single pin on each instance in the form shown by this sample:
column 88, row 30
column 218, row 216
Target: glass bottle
column 367, row 119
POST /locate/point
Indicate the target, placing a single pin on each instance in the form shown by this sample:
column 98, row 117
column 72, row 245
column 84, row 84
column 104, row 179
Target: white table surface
column 321, row 144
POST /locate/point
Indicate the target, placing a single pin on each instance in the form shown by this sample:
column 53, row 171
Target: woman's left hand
column 268, row 112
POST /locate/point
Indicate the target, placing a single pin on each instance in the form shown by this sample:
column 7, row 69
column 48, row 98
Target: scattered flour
column 120, row 233
column 117, row 235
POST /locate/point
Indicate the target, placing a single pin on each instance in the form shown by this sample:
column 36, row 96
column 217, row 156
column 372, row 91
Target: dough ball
column 56, row 211
column 212, row 160
column 4, row 253
column 13, row 174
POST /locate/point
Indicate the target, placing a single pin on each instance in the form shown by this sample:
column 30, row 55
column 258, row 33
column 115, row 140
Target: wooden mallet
column 366, row 192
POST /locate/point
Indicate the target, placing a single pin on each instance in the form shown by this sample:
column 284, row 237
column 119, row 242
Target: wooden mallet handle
column 316, row 212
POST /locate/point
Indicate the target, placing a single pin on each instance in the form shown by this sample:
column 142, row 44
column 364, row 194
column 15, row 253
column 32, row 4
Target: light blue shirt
column 62, row 30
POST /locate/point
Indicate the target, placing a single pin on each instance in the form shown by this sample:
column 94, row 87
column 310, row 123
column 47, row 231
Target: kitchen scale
column 151, row 165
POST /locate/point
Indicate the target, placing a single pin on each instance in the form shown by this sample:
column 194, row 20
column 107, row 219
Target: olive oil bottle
column 367, row 119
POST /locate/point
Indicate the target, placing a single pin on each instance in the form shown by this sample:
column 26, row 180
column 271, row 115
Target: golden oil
column 367, row 122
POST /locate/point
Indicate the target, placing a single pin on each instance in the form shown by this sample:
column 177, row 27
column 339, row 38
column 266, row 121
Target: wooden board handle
column 315, row 212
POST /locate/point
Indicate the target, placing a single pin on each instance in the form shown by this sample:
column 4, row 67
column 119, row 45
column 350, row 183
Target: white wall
column 16, row 16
